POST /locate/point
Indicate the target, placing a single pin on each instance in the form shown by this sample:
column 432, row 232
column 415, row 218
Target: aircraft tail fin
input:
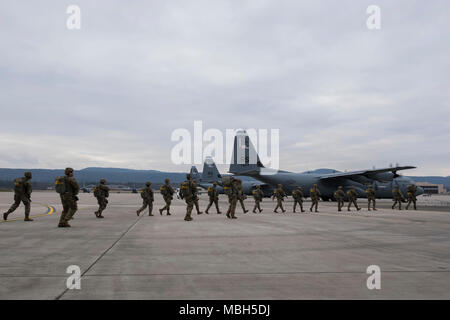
column 194, row 173
column 245, row 160
column 210, row 172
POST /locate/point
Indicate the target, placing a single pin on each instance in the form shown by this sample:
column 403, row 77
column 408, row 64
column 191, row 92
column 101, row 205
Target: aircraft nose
column 419, row 190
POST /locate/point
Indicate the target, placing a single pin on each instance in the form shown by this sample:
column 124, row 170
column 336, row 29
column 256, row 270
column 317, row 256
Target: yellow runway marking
column 50, row 210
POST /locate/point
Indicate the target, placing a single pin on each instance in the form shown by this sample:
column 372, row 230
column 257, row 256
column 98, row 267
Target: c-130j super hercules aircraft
column 245, row 162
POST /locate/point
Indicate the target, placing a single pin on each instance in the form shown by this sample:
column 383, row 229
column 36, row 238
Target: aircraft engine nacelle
column 383, row 176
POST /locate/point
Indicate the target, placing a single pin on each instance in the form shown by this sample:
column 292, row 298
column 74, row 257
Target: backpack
column 164, row 190
column 97, row 191
column 185, row 189
column 60, row 184
column 19, row 185
column 210, row 191
column 143, row 194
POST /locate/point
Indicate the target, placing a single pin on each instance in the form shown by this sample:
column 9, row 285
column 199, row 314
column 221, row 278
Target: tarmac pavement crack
column 103, row 254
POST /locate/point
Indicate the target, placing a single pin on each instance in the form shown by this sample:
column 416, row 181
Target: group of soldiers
column 68, row 189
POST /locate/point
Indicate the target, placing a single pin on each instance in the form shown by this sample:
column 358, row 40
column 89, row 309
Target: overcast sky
column 111, row 94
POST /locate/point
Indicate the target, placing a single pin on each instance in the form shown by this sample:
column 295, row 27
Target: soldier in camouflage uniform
column 280, row 195
column 196, row 198
column 69, row 198
column 370, row 193
column 147, row 199
column 397, row 197
column 232, row 192
column 187, row 193
column 240, row 195
column 339, row 195
column 352, row 195
column 314, row 193
column 411, row 194
column 297, row 194
column 258, row 195
column 101, row 193
column 213, row 197
column 22, row 193
column 167, row 193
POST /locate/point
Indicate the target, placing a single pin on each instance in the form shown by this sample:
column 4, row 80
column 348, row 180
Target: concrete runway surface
column 257, row 256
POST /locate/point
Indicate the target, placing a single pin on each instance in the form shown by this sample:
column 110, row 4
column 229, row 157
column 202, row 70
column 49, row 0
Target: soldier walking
column 232, row 192
column 22, row 193
column 196, row 199
column 297, row 194
column 147, row 199
column 411, row 192
column 370, row 193
column 68, row 188
column 339, row 195
column 352, row 195
column 314, row 193
column 187, row 193
column 258, row 196
column 280, row 195
column 213, row 195
column 101, row 192
column 240, row 195
column 167, row 193
column 397, row 197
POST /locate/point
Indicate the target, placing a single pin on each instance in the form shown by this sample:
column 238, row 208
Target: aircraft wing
column 375, row 174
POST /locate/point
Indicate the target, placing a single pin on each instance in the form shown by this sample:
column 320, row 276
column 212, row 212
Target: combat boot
column 245, row 211
column 100, row 216
column 160, row 211
column 27, row 218
column 5, row 216
column 358, row 209
column 137, row 213
column 260, row 210
column 228, row 215
column 168, row 213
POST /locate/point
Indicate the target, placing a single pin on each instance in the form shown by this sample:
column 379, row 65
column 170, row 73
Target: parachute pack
column 185, row 189
column 19, row 185
column 96, row 191
column 60, row 184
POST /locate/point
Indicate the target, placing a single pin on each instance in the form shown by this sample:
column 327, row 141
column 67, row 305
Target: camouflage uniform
column 187, row 193
column 370, row 193
column 240, row 195
column 298, row 198
column 339, row 195
column 102, row 193
column 280, row 195
column 411, row 194
column 213, row 198
column 69, row 198
column 314, row 193
column 258, row 196
column 397, row 197
column 351, row 194
column 232, row 192
column 147, row 199
column 196, row 199
column 167, row 193
column 22, row 193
